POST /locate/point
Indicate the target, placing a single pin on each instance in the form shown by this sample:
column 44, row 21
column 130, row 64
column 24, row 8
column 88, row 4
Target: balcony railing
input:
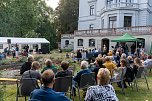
column 138, row 30
column 122, row 5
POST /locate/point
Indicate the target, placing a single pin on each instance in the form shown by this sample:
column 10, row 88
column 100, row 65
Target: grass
column 8, row 92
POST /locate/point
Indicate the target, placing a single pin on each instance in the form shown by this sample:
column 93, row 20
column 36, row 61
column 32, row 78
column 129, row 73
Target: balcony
column 122, row 5
column 65, row 36
column 138, row 30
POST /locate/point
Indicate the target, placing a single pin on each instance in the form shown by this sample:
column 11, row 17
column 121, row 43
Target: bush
column 67, row 50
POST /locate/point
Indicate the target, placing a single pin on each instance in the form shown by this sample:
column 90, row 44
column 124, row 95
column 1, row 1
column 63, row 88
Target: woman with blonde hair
column 95, row 93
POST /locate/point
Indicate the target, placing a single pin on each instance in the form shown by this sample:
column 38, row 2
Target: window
column 66, row 42
column 80, row 42
column 127, row 21
column 109, row 2
column 1, row 46
column 91, row 42
column 112, row 22
column 92, row 10
column 102, row 23
column 91, row 26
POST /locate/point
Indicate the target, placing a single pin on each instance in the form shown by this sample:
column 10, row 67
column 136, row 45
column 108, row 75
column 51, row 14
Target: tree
column 27, row 18
column 66, row 20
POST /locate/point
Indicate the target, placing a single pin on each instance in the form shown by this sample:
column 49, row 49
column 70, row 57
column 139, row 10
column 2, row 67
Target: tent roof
column 125, row 38
column 14, row 40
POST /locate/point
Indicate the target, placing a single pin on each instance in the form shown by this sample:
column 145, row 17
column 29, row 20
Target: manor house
column 103, row 20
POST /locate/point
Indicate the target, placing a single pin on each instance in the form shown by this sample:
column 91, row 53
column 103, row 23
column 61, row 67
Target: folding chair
column 121, row 80
column 86, row 81
column 25, row 86
column 63, row 84
column 138, row 76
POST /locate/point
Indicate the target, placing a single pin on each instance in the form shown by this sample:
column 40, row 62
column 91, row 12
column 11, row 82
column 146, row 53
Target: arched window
column 66, row 42
column 80, row 42
column 91, row 42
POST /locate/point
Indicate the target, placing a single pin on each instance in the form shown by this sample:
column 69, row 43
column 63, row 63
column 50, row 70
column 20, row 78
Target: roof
column 125, row 38
column 14, row 40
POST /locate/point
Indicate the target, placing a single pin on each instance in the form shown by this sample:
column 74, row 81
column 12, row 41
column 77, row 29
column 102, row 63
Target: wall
column 98, row 42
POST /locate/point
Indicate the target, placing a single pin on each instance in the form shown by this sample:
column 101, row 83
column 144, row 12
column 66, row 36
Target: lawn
column 8, row 92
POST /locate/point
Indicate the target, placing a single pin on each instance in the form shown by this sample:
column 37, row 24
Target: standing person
column 27, row 65
column 79, row 55
column 46, row 93
column 17, row 51
column 103, row 91
column 133, row 49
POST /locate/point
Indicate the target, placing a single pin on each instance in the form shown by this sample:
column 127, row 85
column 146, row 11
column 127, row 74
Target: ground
column 8, row 91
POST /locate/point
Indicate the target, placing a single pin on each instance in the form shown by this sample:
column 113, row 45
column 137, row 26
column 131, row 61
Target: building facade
column 103, row 20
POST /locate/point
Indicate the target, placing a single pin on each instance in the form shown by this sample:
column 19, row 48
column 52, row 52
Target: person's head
column 35, row 65
column 30, row 59
column 48, row 77
column 64, row 65
column 123, row 63
column 123, row 56
column 103, row 76
column 48, row 62
column 117, row 53
column 107, row 58
column 84, row 64
column 129, row 58
column 99, row 61
column 137, row 61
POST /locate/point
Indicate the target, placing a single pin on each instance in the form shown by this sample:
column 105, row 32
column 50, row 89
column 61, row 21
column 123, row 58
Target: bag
column 129, row 76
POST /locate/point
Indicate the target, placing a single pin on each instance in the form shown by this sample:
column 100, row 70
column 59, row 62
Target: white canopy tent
column 14, row 40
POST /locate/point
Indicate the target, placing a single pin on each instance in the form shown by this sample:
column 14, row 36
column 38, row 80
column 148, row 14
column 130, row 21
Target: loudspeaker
column 9, row 41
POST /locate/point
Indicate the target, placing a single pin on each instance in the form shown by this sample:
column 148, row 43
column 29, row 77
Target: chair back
column 62, row 84
column 27, row 85
column 87, row 80
column 140, row 71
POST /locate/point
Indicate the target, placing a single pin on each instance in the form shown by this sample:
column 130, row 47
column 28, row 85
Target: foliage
column 66, row 19
column 26, row 18
column 67, row 50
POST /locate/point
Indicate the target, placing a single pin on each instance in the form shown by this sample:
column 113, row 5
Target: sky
column 52, row 3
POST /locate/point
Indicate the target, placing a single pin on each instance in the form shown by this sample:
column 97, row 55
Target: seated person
column 27, row 65
column 32, row 73
column 99, row 64
column 109, row 65
column 103, row 91
column 137, row 65
column 49, row 65
column 46, row 93
column 121, row 71
column 85, row 70
column 65, row 71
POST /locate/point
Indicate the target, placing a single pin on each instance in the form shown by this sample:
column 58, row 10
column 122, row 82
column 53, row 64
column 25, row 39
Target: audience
column 65, row 71
column 137, row 65
column 32, row 73
column 110, row 65
column 99, row 64
column 85, row 70
column 49, row 65
column 27, row 65
column 46, row 93
column 103, row 91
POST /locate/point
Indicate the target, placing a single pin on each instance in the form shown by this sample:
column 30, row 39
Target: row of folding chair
column 62, row 84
